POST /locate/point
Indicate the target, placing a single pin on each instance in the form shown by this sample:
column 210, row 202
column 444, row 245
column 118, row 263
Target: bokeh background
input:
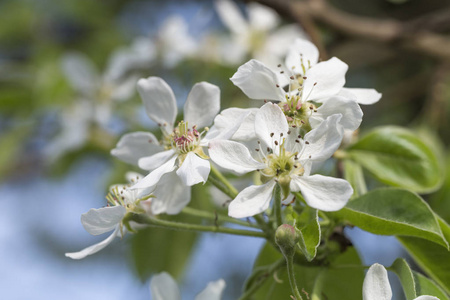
column 67, row 75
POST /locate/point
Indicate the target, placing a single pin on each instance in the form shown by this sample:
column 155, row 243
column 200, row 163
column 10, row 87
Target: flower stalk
column 143, row 219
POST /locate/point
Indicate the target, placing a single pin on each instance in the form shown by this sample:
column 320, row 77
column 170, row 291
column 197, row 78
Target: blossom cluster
column 302, row 123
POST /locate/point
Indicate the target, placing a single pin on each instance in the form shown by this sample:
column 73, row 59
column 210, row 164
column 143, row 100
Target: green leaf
column 406, row 276
column 156, row 250
column 426, row 286
column 342, row 279
column 309, row 230
column 353, row 173
column 398, row 157
column 433, row 259
column 393, row 211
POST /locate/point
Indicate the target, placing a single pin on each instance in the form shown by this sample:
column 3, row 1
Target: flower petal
column 233, row 156
column 171, row 195
column 324, row 140
column 271, row 125
column 94, row 248
column 258, row 82
column 362, row 96
column 301, row 51
column 213, row 291
column 426, row 298
column 81, row 73
column 252, row 200
column 194, row 169
column 159, row 101
column 376, row 284
column 322, row 192
column 202, row 104
column 324, row 80
column 231, row 16
column 235, row 123
column 262, row 18
column 163, row 287
column 125, row 89
column 350, row 110
column 101, row 220
column 155, row 175
column 156, row 160
column 133, row 146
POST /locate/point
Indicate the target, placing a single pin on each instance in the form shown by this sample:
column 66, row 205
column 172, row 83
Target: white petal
column 231, row 16
column 324, row 140
column 101, row 220
column 426, row 298
column 376, row 284
column 163, row 287
column 258, row 82
column 226, row 122
column 322, row 192
column 271, row 125
column 349, row 109
column 81, row 73
column 159, row 101
column 194, row 169
column 133, row 176
column 301, row 51
column 125, row 89
column 154, row 176
column 262, row 18
column 281, row 36
column 213, row 291
column 252, row 200
column 156, row 160
column 171, row 195
column 233, row 156
column 202, row 104
column 94, row 248
column 362, row 96
column 133, row 146
column 324, row 80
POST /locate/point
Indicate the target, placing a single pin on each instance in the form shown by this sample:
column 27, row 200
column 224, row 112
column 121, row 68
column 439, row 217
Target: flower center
column 121, row 195
column 183, row 139
column 297, row 113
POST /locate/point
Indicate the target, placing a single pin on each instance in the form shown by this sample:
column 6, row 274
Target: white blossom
column 376, row 285
column 170, row 196
column 163, row 287
column 283, row 157
column 181, row 149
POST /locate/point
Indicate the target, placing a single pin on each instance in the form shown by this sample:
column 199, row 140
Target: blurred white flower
column 376, row 285
column 163, row 287
column 96, row 93
column 173, row 41
column 256, row 36
column 286, row 159
column 170, row 196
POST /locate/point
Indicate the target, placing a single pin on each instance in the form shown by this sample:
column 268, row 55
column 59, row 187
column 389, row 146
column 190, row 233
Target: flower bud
column 286, row 238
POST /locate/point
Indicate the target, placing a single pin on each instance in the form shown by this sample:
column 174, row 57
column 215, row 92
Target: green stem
column 263, row 278
column 277, row 206
column 215, row 217
column 222, row 183
column 143, row 219
column 290, row 270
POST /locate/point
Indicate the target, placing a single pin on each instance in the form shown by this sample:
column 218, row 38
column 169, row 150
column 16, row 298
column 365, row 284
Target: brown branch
column 411, row 35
